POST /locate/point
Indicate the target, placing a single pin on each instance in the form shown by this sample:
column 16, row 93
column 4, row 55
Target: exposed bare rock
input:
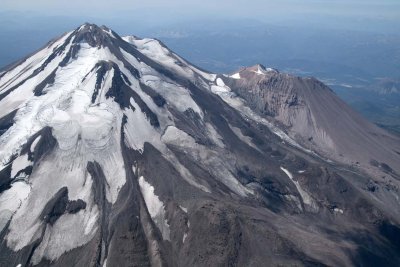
column 314, row 116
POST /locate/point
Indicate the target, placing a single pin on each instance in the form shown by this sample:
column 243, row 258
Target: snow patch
column 220, row 82
column 138, row 129
column 155, row 207
column 215, row 137
column 19, row 164
column 12, row 198
column 259, row 71
column 63, row 236
column 220, row 87
column 236, row 76
column 295, row 200
column 34, row 143
column 186, row 233
column 133, row 168
column 183, row 208
column 184, row 237
column 26, row 224
column 337, row 210
column 307, row 199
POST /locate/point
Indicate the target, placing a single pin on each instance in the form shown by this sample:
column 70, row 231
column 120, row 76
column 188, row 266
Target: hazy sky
column 243, row 8
column 26, row 25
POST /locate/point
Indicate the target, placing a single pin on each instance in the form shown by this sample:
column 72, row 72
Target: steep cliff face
column 118, row 152
column 283, row 98
column 315, row 117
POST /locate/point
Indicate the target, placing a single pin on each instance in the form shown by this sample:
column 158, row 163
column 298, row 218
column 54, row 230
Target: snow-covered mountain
column 118, row 152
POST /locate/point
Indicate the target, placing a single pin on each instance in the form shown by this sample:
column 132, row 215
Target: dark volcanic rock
column 55, row 207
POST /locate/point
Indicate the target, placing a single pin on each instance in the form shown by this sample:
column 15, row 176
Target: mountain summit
column 115, row 151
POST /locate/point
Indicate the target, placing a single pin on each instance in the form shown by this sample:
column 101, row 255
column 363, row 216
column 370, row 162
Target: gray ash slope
column 117, row 152
column 316, row 118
